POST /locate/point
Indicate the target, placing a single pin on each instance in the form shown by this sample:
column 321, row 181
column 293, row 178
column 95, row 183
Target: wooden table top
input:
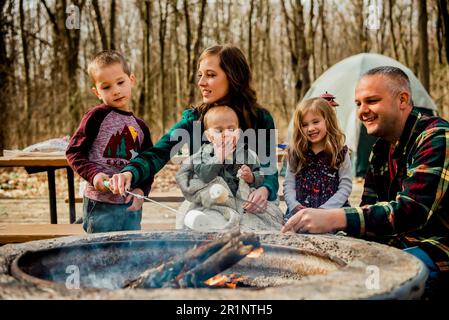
column 61, row 161
column 53, row 161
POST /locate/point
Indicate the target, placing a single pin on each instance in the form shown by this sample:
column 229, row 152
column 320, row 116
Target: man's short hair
column 106, row 58
column 400, row 80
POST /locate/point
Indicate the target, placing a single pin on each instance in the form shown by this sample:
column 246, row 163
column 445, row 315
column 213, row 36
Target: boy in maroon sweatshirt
column 108, row 137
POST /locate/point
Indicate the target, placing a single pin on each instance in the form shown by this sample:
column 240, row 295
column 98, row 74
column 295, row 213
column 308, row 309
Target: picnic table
column 49, row 164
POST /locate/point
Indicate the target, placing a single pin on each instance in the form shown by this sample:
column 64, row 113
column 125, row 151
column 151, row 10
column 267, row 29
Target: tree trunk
column 312, row 39
column 250, row 34
column 444, row 15
column 325, row 42
column 393, row 38
column 188, row 45
column 163, row 15
column 196, row 50
column 424, row 74
column 101, row 28
column 363, row 40
column 68, row 44
column 298, row 49
column 145, row 100
column 5, row 76
column 112, row 26
column 26, row 115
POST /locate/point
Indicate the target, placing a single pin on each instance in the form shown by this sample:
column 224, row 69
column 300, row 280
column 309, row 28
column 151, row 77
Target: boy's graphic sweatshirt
column 105, row 141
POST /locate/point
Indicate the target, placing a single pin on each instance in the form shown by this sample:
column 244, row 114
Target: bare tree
column 325, row 42
column 424, row 74
column 5, row 74
column 250, row 33
column 162, row 41
column 145, row 108
column 443, row 28
column 101, row 28
column 394, row 44
column 297, row 44
column 112, row 25
column 26, row 115
column 69, row 40
column 163, row 16
column 188, row 43
column 196, row 50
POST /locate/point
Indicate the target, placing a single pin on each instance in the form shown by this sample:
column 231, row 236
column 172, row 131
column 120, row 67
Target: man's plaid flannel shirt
column 413, row 208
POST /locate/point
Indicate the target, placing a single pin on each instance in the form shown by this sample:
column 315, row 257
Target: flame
column 217, row 280
column 231, row 285
column 221, row 280
column 255, row 253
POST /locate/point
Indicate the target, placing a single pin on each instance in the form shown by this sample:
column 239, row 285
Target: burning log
column 198, row 264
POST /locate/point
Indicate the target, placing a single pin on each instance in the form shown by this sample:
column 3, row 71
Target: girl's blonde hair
column 333, row 141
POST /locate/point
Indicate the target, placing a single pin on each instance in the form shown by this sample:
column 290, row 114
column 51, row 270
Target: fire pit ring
column 293, row 266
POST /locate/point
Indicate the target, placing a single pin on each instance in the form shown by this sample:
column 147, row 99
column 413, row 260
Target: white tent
column 340, row 80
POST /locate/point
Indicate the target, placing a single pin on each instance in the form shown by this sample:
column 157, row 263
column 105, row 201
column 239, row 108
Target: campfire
column 187, row 265
column 202, row 265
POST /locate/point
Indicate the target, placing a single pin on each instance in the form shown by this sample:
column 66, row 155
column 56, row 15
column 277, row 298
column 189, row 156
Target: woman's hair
column 333, row 141
column 241, row 96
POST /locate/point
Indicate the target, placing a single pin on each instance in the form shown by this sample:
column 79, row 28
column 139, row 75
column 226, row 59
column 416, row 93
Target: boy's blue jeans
column 106, row 217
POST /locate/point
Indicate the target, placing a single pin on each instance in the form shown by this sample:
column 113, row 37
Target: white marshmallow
column 198, row 221
column 218, row 193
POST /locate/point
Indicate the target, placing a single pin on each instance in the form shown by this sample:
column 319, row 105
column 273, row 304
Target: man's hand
column 297, row 208
column 98, row 182
column 120, row 182
column 246, row 174
column 137, row 202
column 316, row 221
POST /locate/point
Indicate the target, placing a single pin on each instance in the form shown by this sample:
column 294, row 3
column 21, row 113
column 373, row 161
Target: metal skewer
column 106, row 184
column 139, row 196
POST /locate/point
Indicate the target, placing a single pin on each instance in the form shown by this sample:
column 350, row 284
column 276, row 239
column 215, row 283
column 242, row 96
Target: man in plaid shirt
column 405, row 202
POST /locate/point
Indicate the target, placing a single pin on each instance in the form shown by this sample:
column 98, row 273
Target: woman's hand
column 120, row 182
column 310, row 220
column 259, row 201
column 137, row 202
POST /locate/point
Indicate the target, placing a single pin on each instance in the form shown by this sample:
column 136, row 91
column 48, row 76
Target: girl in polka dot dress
column 318, row 172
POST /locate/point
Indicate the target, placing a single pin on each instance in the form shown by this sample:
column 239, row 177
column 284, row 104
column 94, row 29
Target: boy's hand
column 137, row 202
column 246, row 174
column 98, row 182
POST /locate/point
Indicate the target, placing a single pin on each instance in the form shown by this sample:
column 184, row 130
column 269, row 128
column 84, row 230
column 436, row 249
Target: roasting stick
column 106, row 184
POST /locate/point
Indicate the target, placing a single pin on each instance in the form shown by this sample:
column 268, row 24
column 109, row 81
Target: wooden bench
column 17, row 233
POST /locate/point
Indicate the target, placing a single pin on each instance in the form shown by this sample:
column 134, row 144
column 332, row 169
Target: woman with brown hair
column 224, row 78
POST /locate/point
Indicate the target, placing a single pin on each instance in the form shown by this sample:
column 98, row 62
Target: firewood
column 168, row 273
column 234, row 251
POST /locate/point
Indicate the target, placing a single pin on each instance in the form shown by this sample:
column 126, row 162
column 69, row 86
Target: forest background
column 45, row 46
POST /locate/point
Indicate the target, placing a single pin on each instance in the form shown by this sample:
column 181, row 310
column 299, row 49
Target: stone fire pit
column 293, row 266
